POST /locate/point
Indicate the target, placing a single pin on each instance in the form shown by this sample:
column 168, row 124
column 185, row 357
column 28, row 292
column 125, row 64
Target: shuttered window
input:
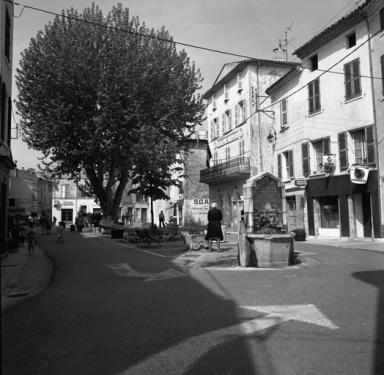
column 289, row 164
column 305, row 159
column 370, row 145
column 9, row 120
column 382, row 73
column 343, row 151
column 314, row 96
column 284, row 113
column 237, row 114
column 352, row 79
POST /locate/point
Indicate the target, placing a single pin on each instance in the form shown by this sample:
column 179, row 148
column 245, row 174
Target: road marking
column 125, row 270
column 191, row 349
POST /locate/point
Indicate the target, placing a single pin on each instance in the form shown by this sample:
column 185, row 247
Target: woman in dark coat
column 214, row 232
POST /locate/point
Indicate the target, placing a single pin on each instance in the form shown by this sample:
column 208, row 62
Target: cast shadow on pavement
column 376, row 278
column 92, row 321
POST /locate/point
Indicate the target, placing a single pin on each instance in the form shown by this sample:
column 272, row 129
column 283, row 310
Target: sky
column 246, row 27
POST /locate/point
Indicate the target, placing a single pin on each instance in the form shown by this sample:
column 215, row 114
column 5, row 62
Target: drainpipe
column 261, row 166
column 374, row 127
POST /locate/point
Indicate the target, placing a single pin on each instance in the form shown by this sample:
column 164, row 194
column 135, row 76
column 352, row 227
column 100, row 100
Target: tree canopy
column 109, row 97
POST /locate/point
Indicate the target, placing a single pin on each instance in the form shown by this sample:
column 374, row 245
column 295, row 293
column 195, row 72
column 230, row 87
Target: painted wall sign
column 68, row 203
column 359, row 175
column 201, row 201
column 301, row 182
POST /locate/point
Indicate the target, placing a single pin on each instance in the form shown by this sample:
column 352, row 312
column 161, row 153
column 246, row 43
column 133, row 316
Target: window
column 351, row 40
column 223, row 123
column 7, row 41
column 382, row 19
column 321, row 148
column 64, row 191
column 227, row 153
column 329, row 212
column 215, row 158
column 382, row 73
column 9, row 120
column 227, row 121
column 226, row 93
column 288, row 156
column 352, row 79
column 305, row 159
column 240, row 113
column 12, row 202
column 212, row 130
column 66, row 214
column 363, row 146
column 241, row 149
column 343, row 151
column 279, row 167
column 314, row 96
column 3, row 110
column 214, row 103
column 239, row 81
column 215, row 128
column 313, row 61
column 284, row 113
column 217, row 124
column 140, row 198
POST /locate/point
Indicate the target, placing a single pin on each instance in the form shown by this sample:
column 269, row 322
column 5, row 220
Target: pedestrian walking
column 161, row 219
column 54, row 221
column 31, row 237
column 60, row 230
column 214, row 232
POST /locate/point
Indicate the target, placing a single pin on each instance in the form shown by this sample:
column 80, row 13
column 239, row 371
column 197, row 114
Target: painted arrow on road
column 125, row 270
column 191, row 349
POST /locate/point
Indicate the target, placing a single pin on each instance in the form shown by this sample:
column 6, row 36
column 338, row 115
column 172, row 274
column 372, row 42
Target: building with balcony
column 6, row 161
column 237, row 131
column 328, row 119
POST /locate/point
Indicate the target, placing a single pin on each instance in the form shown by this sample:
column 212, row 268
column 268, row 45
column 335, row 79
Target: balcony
column 231, row 170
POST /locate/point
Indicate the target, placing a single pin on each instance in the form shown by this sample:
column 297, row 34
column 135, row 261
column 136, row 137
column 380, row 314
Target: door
column 367, row 222
column 291, row 212
column 67, row 216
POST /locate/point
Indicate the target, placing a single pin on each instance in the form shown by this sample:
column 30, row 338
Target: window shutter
column 244, row 111
column 356, row 77
column 290, row 163
column 279, row 174
column 229, row 120
column 236, row 114
column 370, row 145
column 317, row 95
column 382, row 73
column 9, row 121
column 326, row 146
column 310, row 97
column 347, row 81
column 305, row 157
column 343, row 151
column 223, row 124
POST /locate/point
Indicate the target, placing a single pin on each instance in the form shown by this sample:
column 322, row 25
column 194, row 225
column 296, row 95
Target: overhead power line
column 96, row 24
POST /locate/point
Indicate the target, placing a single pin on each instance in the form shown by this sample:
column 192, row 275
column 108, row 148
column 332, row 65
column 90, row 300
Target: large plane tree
column 92, row 92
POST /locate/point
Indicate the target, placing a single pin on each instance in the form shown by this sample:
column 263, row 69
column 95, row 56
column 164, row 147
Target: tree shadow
column 376, row 278
column 91, row 321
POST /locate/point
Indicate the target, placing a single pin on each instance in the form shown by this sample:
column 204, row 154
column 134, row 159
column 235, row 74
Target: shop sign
column 301, row 182
column 359, row 175
column 329, row 163
column 201, row 201
column 68, row 203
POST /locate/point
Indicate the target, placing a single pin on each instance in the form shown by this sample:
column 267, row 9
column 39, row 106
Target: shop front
column 338, row 206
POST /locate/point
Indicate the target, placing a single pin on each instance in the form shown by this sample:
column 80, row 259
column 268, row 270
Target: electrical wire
column 25, row 6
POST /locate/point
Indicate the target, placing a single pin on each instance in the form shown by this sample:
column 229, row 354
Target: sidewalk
column 23, row 275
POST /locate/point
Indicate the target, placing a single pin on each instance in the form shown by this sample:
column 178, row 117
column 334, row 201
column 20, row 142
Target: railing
column 229, row 169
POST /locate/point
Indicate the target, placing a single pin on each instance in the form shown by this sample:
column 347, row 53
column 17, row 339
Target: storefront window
column 329, row 212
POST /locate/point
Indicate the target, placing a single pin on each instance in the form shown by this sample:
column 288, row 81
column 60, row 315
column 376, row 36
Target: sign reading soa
column 201, row 201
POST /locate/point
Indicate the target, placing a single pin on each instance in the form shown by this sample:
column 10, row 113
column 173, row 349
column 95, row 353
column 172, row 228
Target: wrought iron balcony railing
column 229, row 170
